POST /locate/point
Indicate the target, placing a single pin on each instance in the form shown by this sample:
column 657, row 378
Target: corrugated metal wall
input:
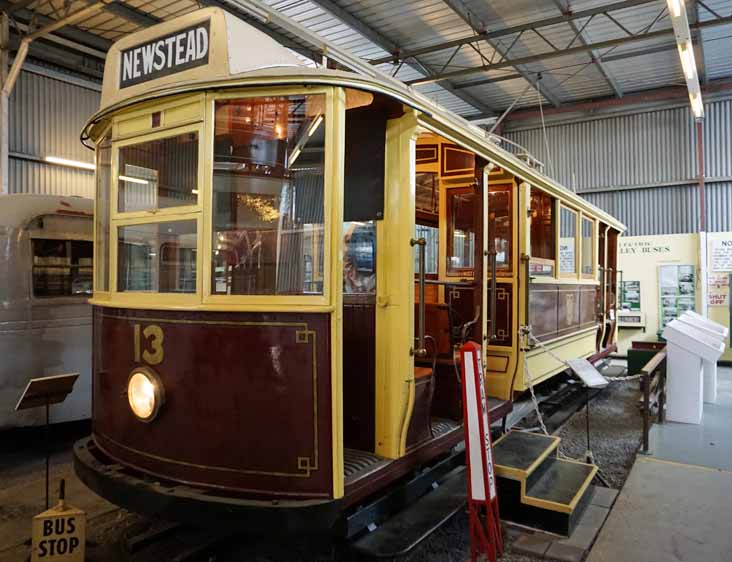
column 45, row 118
column 642, row 167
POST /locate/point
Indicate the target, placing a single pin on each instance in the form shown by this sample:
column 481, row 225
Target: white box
column 709, row 366
column 687, row 348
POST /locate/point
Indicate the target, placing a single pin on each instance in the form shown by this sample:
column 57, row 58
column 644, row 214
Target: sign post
column 484, row 520
column 46, row 391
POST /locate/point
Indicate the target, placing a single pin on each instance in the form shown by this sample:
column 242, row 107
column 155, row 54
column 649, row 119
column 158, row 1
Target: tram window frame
column 543, row 265
column 450, row 270
column 151, row 136
column 576, row 257
column 132, row 294
column 180, row 117
column 102, row 214
column 331, row 228
column 588, row 274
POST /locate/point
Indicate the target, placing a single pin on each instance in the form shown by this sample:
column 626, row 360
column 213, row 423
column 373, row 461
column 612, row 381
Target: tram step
column 551, row 498
column 399, row 535
column 519, row 453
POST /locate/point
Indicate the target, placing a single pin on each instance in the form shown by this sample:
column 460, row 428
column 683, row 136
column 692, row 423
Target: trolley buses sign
column 186, row 48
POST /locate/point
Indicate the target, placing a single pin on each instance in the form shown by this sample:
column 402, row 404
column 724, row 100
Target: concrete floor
column 677, row 502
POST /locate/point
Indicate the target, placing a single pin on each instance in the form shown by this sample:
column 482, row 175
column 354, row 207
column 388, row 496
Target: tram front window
column 158, row 174
column 268, row 207
column 157, row 257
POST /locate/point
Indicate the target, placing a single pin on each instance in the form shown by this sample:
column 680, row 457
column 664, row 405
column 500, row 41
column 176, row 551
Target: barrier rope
column 526, row 331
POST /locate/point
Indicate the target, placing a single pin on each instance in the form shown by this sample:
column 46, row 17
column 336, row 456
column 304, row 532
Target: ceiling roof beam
column 389, row 46
column 479, row 26
column 70, row 32
column 488, row 35
column 563, row 7
column 130, row 14
column 698, row 41
column 567, row 52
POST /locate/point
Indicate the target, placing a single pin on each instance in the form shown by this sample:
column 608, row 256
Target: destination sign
column 185, row 49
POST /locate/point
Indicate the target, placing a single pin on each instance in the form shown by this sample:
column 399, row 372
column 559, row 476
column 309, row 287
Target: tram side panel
column 247, row 398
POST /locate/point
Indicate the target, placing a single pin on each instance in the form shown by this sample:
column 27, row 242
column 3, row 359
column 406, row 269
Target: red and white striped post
column 485, row 523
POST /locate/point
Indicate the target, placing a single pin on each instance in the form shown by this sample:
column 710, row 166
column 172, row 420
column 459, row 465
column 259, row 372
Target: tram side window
column 268, row 206
column 158, row 174
column 500, row 225
column 359, row 257
column 588, row 227
column 62, row 268
column 567, row 242
column 460, row 231
column 431, row 236
column 157, row 257
column 542, row 234
column 104, row 175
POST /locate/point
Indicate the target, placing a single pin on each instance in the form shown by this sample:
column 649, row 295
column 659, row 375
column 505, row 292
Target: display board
column 718, row 289
column 630, row 296
column 677, row 291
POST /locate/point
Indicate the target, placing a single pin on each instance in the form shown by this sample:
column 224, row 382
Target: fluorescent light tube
column 70, row 163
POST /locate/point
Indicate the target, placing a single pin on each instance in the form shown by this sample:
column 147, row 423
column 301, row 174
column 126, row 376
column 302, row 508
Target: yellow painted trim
column 395, row 290
column 556, row 506
column 148, row 108
column 96, row 259
column 99, row 300
column 333, row 255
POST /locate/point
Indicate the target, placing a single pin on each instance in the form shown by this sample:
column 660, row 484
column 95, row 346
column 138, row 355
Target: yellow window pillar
column 395, row 290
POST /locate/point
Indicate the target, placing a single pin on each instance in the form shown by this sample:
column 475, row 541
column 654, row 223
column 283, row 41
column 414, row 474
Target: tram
column 45, row 320
column 287, row 257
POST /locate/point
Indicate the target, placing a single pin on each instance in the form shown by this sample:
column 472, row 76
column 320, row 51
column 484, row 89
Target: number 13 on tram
column 286, row 258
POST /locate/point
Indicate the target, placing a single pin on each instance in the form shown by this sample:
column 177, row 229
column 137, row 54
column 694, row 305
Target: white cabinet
column 687, row 348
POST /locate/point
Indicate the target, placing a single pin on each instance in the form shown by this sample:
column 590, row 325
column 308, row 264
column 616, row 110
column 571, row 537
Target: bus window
column 542, row 234
column 62, row 268
column 268, row 211
column 460, row 231
column 157, row 257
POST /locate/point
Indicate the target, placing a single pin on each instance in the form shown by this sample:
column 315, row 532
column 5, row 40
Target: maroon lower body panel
column 247, row 399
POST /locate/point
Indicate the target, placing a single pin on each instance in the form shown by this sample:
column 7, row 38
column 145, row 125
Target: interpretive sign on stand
column 485, row 523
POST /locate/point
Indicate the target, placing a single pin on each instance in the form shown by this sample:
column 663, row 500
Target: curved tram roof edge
column 432, row 116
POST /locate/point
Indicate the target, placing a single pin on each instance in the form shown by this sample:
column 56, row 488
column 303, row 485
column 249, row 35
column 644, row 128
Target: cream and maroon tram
column 260, row 348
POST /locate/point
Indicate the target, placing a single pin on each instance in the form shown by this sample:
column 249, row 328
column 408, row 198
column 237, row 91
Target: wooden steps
column 537, row 488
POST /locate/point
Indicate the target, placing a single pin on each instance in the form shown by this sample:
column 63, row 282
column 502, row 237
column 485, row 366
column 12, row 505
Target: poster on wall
column 718, row 289
column 631, row 295
column 721, row 255
column 677, row 291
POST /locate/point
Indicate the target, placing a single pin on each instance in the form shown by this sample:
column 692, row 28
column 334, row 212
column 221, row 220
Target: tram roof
column 174, row 57
column 17, row 210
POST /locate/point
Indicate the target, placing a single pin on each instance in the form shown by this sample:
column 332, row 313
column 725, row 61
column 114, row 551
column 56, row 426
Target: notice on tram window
column 721, row 255
column 169, row 54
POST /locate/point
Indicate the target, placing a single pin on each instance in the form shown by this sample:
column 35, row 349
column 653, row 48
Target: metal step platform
column 408, row 528
column 535, row 487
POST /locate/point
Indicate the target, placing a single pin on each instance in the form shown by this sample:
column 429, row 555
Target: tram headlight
column 145, row 394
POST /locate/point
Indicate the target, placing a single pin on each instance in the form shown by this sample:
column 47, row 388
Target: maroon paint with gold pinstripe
column 248, row 399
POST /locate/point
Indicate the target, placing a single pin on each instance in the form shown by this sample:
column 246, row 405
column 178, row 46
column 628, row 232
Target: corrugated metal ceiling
column 409, row 25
